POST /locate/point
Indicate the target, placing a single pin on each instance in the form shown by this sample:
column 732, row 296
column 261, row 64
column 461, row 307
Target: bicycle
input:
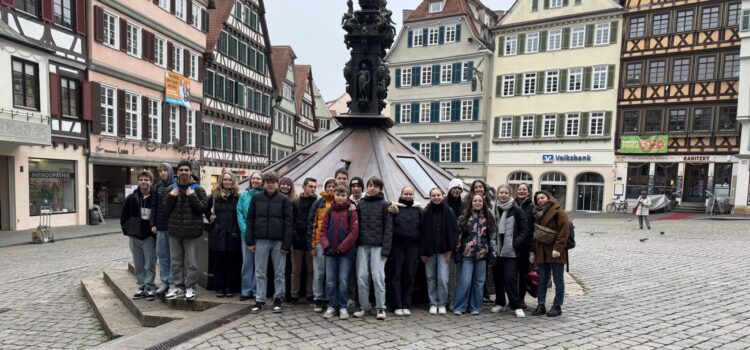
column 617, row 205
column 673, row 201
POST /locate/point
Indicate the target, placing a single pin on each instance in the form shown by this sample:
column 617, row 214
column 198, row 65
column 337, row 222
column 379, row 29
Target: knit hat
column 356, row 181
column 455, row 183
column 327, row 181
column 286, row 181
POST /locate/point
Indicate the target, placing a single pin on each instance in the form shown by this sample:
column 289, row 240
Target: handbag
column 544, row 235
column 532, row 284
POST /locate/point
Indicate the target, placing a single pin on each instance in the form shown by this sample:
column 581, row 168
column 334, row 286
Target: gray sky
column 312, row 28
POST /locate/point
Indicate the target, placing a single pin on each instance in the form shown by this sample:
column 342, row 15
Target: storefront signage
column 177, row 89
column 643, row 144
column 551, row 158
column 699, row 159
column 51, row 175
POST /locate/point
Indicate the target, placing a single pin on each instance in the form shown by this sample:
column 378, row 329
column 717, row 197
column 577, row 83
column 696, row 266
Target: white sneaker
column 498, row 308
column 361, row 313
column 162, row 288
column 433, row 310
column 330, row 312
column 381, row 315
column 343, row 314
column 519, row 313
column 441, row 310
column 190, row 294
column 398, row 312
column 173, row 293
column 407, row 312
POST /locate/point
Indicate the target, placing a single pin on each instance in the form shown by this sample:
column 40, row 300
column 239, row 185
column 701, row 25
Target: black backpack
column 571, row 242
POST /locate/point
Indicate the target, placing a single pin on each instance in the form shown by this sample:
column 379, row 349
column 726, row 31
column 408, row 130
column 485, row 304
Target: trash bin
column 94, row 216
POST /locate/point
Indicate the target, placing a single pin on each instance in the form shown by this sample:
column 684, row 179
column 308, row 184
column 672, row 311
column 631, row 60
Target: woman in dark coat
column 405, row 250
column 523, row 200
column 224, row 236
column 438, row 232
column 552, row 255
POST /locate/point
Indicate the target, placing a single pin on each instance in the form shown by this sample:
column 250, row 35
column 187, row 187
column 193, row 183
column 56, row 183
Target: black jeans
column 404, row 257
column 226, row 270
column 524, row 266
column 506, row 282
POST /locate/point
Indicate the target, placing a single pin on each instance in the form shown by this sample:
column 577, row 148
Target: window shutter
column 546, row 4
column 80, row 12
column 455, row 110
column 470, row 75
column 144, row 46
column 98, row 24
column 563, row 84
column 435, row 152
column 165, row 122
column 565, row 38
column 560, row 132
column 416, row 76
column 456, row 78
column 144, row 118
column 543, row 41
column 199, row 129
column 186, row 63
column 501, row 46
column 534, row 5
column 458, row 32
column 496, row 128
column 516, row 127
column 415, row 145
column 540, row 82
column 441, row 35
column 538, row 121
column 415, row 113
column 455, row 152
column 436, row 74
column 475, row 152
column 204, row 21
column 521, row 43
column 86, row 100
column 424, row 37
column 397, row 112
column 120, row 117
column 578, row 2
column 498, row 86
column 586, row 78
column 410, row 40
column 584, row 124
column 183, row 125
column 519, row 82
column 189, row 11
column 589, row 35
column 475, row 110
column 435, row 112
column 93, row 102
column 607, row 123
column 613, row 32
column 170, row 56
column 611, row 76
column 47, row 10
column 172, row 6
column 398, row 77
column 54, row 95
column 123, row 35
column 201, row 69
column 565, row 2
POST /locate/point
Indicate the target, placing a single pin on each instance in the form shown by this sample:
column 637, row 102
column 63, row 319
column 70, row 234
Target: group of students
column 346, row 235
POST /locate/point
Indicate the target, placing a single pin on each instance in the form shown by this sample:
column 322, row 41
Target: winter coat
column 556, row 219
column 160, row 217
column 341, row 229
column 224, row 235
column 474, row 238
column 315, row 218
column 131, row 219
column 438, row 230
column 186, row 212
column 301, row 208
column 375, row 223
column 242, row 206
column 270, row 218
column 515, row 221
column 456, row 204
column 406, row 223
column 644, row 205
column 528, row 209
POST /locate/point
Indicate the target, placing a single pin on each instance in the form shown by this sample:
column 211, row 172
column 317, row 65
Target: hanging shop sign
column 644, row 144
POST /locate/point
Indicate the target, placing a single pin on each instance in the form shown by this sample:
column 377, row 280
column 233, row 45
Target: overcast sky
column 313, row 29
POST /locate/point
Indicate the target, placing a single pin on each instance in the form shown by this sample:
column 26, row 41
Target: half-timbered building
column 742, row 193
column 285, row 109
column 306, row 122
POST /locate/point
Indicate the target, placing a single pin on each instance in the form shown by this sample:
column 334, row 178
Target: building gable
column 524, row 11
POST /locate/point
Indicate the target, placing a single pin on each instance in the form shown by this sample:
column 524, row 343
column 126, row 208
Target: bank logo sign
column 548, row 158
column 551, row 158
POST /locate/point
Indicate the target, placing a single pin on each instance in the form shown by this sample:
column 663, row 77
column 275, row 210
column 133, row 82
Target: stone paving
column 683, row 289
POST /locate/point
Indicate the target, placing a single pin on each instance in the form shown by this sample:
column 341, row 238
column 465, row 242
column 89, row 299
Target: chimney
column 407, row 13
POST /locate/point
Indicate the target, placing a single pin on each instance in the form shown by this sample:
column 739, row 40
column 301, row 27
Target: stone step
column 115, row 318
column 148, row 313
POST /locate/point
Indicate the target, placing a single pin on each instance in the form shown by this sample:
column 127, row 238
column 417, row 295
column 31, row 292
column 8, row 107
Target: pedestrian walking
column 224, row 236
column 301, row 208
column 407, row 214
column 438, row 234
column 523, row 200
column 247, row 274
column 642, row 210
column 340, row 230
column 314, row 226
column 161, row 221
column 137, row 223
column 551, row 230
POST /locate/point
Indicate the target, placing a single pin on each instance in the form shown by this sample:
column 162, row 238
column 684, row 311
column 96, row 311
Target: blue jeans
column 436, row 271
column 319, row 274
column 264, row 248
column 162, row 255
column 337, row 278
column 144, row 261
column 248, row 271
column 557, row 277
column 370, row 264
column 470, row 287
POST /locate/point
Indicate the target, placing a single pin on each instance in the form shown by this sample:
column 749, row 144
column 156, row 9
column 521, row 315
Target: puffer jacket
column 242, row 206
column 225, row 234
column 315, row 218
column 375, row 223
column 301, row 211
column 406, row 223
column 161, row 190
column 456, row 204
column 515, row 222
column 556, row 219
column 341, row 228
column 270, row 218
column 186, row 212
column 528, row 209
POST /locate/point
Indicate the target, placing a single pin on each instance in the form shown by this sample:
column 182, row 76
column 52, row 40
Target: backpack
column 570, row 243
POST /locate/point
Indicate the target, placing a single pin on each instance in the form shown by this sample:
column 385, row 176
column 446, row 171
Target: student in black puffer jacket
column 405, row 252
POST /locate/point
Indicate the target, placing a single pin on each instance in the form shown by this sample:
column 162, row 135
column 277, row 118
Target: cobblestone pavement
column 683, row 289
column 41, row 287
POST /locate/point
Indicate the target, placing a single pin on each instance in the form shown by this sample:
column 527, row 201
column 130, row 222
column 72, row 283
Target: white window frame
column 465, row 71
column 178, row 65
column 601, row 34
column 133, row 40
column 405, row 77
column 527, row 126
column 180, row 9
column 596, row 124
column 436, row 6
column 164, row 4
column 197, row 20
column 154, row 120
column 426, row 75
column 467, row 110
column 532, row 42
column 445, row 152
column 132, row 116
column 445, row 111
column 406, row 113
column 174, row 123
column 554, row 40
column 450, row 34
column 425, row 111
column 506, row 128
column 552, row 82
column 194, row 67
column 572, row 119
column 549, row 126
column 108, row 112
column 190, row 128
column 160, row 52
column 425, row 148
column 509, row 86
column 555, row 4
column 577, row 37
column 446, row 73
column 511, row 46
column 599, row 78
column 466, row 149
column 529, row 84
column 433, row 36
column 418, row 38
column 575, row 76
column 111, row 30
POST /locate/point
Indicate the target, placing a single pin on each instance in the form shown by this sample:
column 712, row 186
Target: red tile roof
column 281, row 58
column 217, row 17
column 451, row 8
column 303, row 79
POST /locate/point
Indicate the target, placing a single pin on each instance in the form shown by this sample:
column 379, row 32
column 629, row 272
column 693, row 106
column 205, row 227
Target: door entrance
column 6, row 197
column 590, row 192
column 696, row 178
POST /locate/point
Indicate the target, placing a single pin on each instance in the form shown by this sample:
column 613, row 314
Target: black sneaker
column 292, row 301
column 139, row 294
column 228, row 293
column 319, row 306
column 277, row 305
column 220, row 294
column 151, row 295
column 245, row 297
column 258, row 307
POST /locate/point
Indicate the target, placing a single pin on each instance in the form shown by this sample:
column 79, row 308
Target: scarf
column 504, row 207
column 225, row 193
column 540, row 211
column 405, row 202
column 521, row 202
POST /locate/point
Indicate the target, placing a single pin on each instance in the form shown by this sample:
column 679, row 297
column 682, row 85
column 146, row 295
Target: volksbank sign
column 551, row 158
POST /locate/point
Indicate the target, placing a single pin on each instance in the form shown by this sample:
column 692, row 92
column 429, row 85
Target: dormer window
column 436, row 6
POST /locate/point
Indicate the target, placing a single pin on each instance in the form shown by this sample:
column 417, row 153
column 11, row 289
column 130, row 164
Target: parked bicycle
column 673, row 201
column 617, row 205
